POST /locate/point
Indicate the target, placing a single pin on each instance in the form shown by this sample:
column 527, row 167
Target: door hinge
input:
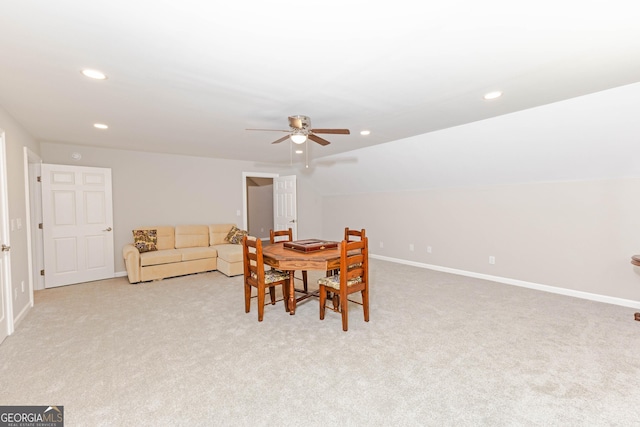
column 39, row 179
column 42, row 272
column 40, row 226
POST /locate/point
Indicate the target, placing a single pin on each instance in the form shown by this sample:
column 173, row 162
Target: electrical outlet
column 492, row 260
column 381, row 245
column 428, row 249
column 22, row 285
column 411, row 246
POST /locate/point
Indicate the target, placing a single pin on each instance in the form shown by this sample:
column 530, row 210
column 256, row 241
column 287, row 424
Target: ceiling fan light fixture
column 298, row 138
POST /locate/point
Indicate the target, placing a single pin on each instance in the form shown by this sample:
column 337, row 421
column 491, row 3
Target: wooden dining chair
column 353, row 235
column 287, row 236
column 352, row 277
column 350, row 235
column 255, row 276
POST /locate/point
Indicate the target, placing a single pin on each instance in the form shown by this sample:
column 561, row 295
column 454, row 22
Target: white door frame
column 35, row 254
column 6, row 298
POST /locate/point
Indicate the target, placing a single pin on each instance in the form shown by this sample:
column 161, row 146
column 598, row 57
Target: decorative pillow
column 235, row 235
column 145, row 240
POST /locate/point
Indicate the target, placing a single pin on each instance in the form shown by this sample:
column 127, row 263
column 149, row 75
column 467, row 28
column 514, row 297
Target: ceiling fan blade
column 272, row 130
column 334, row 131
column 277, row 141
column 317, row 139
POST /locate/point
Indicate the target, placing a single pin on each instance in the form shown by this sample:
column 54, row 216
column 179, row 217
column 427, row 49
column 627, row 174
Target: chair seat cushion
column 271, row 276
column 334, row 281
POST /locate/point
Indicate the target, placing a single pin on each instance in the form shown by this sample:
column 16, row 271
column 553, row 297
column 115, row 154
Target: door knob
column 5, row 248
column 292, row 221
column 108, row 229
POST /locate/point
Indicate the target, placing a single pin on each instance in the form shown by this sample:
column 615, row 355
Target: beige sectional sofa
column 183, row 249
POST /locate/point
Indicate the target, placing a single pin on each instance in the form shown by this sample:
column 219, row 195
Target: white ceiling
column 189, row 77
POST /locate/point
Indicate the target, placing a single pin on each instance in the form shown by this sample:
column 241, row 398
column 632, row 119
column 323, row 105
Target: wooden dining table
column 286, row 259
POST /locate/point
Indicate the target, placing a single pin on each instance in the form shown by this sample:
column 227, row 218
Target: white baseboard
column 521, row 283
column 120, row 274
column 23, row 313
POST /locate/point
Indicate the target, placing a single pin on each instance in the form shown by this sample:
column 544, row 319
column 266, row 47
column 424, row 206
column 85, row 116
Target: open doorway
column 259, row 206
column 269, row 202
column 258, row 203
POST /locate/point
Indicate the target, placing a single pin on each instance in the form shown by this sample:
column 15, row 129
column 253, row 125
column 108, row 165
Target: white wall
column 573, row 235
column 161, row 189
column 16, row 139
column 551, row 192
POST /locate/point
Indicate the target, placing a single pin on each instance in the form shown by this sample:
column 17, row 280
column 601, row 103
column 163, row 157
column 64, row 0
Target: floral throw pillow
column 235, row 235
column 145, row 240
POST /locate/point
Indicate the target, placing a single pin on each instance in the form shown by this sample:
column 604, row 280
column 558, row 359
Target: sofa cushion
column 191, row 236
column 218, row 232
column 229, row 252
column 160, row 257
column 198, row 253
column 145, row 240
column 235, row 235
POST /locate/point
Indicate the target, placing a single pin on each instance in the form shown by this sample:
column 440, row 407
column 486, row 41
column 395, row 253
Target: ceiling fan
column 300, row 129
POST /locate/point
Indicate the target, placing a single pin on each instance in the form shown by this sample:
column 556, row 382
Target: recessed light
column 493, row 95
column 365, row 132
column 76, row 156
column 100, row 126
column 94, row 74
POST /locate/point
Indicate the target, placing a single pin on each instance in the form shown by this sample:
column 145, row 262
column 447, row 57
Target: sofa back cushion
column 165, row 236
column 192, row 236
column 218, row 232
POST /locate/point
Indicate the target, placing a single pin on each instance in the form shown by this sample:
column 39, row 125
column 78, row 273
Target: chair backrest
column 354, row 261
column 252, row 260
column 353, row 235
column 280, row 236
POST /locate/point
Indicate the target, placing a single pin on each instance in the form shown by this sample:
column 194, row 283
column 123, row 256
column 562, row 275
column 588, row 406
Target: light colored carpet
column 440, row 350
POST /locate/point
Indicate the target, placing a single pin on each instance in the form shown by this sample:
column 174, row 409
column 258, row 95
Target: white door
column 6, row 322
column 77, row 217
column 284, row 204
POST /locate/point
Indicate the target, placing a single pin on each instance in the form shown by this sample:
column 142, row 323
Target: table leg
column 292, row 294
